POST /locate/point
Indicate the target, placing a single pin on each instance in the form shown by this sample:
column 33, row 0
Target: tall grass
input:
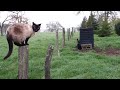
column 71, row 64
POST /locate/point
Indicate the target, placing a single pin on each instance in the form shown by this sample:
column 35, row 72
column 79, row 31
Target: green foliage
column 117, row 28
column 104, row 29
column 84, row 23
column 95, row 25
column 92, row 23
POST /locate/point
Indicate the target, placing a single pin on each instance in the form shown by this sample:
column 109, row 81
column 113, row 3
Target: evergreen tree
column 92, row 23
column 104, row 29
column 83, row 24
column 117, row 28
column 95, row 25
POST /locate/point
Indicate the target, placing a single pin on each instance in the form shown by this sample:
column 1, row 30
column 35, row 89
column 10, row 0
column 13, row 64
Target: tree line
column 104, row 23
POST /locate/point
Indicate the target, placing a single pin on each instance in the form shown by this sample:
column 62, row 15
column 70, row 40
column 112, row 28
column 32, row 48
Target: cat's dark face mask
column 36, row 27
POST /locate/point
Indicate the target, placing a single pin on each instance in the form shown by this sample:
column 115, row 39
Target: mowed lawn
column 71, row 64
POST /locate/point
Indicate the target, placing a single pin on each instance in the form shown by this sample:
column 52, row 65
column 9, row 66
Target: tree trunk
column 23, row 62
column 47, row 62
column 63, row 41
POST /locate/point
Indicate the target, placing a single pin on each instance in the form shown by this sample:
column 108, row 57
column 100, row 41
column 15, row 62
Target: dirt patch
column 113, row 52
column 110, row 51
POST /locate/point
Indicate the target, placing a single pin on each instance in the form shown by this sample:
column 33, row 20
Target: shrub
column 104, row 29
column 117, row 28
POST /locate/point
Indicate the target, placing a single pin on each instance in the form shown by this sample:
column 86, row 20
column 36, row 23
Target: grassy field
column 72, row 64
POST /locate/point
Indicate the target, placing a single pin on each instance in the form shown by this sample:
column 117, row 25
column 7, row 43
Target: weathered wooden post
column 63, row 41
column 72, row 31
column 23, row 62
column 57, row 45
column 48, row 61
column 71, row 34
column 68, row 33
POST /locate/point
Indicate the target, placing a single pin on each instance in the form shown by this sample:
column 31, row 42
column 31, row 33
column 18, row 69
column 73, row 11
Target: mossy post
column 63, row 40
column 72, row 31
column 23, row 62
column 57, row 43
column 68, row 33
column 48, row 62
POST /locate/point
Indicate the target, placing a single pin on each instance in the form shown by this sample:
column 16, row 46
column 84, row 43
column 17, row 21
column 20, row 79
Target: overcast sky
column 66, row 18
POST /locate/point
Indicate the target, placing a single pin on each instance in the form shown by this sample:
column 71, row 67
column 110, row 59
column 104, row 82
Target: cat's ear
column 39, row 24
column 33, row 23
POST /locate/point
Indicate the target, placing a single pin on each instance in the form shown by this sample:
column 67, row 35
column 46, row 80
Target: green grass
column 71, row 64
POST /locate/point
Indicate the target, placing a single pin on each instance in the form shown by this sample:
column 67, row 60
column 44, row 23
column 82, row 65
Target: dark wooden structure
column 86, row 38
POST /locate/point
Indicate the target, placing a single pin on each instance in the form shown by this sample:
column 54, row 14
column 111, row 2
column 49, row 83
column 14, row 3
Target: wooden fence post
column 57, row 45
column 72, row 32
column 23, row 62
column 68, row 34
column 63, row 41
column 47, row 62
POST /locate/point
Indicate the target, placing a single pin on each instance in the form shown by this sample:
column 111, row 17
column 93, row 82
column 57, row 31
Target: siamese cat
column 19, row 34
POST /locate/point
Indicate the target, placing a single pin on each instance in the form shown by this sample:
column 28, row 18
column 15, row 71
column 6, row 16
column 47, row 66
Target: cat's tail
column 10, row 43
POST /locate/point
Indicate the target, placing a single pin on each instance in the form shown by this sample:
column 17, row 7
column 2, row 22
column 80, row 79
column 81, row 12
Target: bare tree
column 2, row 23
column 53, row 26
column 18, row 17
column 13, row 17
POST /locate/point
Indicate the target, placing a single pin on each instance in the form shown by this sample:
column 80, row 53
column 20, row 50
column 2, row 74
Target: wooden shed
column 86, row 38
